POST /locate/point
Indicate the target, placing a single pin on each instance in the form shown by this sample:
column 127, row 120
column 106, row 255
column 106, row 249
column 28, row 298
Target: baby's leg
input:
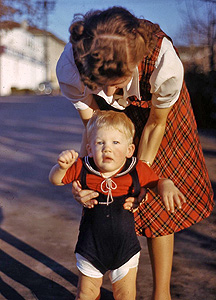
column 90, row 280
column 124, row 279
column 88, row 288
column 126, row 287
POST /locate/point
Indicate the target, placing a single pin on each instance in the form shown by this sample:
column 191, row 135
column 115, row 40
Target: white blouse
column 166, row 81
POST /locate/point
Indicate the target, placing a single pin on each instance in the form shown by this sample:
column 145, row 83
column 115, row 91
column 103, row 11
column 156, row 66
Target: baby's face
column 109, row 149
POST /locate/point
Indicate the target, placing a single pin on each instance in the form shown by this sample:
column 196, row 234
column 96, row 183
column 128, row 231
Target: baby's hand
column 170, row 194
column 67, row 159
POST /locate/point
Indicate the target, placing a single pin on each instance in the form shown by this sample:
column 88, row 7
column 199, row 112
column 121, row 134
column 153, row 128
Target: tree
column 200, row 25
column 13, row 10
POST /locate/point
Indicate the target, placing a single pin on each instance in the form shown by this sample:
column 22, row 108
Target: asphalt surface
column 39, row 222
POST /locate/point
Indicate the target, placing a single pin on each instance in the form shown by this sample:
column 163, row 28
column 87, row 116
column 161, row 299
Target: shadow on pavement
column 8, row 292
column 40, row 286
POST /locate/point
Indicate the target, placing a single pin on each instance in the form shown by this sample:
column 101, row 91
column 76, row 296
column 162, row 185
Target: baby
column 107, row 240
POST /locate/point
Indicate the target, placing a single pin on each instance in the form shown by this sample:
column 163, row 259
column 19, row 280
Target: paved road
column 39, row 222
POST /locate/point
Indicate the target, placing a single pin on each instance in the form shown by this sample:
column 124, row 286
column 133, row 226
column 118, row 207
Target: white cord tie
column 107, row 189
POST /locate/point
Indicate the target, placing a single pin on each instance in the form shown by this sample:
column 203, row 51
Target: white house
column 22, row 64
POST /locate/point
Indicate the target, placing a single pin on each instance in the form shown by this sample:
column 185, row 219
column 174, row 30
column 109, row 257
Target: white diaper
column 86, row 268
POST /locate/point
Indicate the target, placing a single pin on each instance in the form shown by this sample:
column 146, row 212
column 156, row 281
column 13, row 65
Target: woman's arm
column 85, row 197
column 166, row 83
column 150, row 141
column 153, row 133
column 85, row 115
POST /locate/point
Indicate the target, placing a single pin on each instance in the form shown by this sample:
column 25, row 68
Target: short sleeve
column 147, row 177
column 70, row 82
column 167, row 78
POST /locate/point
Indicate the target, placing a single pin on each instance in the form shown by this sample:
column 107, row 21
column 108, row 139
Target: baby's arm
column 170, row 194
column 65, row 160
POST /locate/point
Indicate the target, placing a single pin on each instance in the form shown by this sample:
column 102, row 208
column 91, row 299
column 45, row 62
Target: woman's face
column 120, row 83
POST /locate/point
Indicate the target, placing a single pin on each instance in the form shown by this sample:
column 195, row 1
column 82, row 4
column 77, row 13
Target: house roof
column 32, row 29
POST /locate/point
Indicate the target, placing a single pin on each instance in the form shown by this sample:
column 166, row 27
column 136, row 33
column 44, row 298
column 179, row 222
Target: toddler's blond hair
column 117, row 120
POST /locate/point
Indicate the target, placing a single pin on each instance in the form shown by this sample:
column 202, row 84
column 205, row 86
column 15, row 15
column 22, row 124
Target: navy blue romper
column 107, row 235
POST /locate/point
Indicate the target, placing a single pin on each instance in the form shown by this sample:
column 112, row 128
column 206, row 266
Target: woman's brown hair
column 109, row 44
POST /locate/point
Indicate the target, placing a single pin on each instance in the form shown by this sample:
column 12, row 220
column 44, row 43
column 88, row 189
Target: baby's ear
column 88, row 148
column 130, row 151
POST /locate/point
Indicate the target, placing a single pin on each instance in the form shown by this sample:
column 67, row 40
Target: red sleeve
column 73, row 172
column 147, row 177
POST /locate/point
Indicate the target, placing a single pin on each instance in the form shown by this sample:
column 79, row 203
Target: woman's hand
column 84, row 197
column 133, row 203
column 170, row 194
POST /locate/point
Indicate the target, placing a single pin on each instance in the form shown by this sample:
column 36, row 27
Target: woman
column 116, row 61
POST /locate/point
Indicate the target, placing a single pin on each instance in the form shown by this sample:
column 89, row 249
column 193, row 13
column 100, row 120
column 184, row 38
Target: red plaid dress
column 179, row 158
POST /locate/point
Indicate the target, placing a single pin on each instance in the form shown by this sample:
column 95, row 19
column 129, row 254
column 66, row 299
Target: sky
column 166, row 13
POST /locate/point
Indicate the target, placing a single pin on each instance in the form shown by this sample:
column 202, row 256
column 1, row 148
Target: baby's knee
column 89, row 288
column 127, row 294
column 88, row 294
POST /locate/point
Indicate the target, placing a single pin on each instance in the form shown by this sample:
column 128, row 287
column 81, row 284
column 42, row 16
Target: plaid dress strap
column 146, row 68
column 179, row 158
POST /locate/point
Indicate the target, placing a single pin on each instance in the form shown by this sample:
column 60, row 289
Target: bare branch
column 14, row 9
column 200, row 25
